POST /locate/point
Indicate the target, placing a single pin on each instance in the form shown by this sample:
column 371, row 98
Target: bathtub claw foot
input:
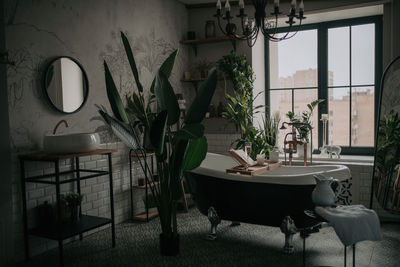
column 289, row 229
column 214, row 220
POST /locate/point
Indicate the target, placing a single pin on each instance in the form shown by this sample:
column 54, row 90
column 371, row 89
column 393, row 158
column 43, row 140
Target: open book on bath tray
column 248, row 167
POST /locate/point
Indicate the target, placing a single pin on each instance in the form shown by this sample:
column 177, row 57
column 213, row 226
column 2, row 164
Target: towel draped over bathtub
column 352, row 223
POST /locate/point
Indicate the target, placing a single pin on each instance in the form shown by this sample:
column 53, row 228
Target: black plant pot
column 169, row 246
column 74, row 213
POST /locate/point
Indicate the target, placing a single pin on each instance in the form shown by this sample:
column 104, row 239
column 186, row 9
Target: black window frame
column 322, row 66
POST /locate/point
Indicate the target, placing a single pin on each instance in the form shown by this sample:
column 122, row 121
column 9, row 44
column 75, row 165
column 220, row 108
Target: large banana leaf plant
column 176, row 150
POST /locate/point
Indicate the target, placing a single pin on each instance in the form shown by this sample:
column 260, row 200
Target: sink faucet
column 58, row 124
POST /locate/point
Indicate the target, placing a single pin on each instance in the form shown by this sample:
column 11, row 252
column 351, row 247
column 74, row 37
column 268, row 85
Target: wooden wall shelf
column 217, row 39
column 208, row 40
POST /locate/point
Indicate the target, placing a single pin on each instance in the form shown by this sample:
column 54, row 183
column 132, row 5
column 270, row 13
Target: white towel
column 352, row 223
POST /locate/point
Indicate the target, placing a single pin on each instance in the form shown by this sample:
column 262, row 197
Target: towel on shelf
column 352, row 223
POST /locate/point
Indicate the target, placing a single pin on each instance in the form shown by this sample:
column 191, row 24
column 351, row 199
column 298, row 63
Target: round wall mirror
column 66, row 84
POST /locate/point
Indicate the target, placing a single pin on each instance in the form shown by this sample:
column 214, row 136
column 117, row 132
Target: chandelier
column 260, row 22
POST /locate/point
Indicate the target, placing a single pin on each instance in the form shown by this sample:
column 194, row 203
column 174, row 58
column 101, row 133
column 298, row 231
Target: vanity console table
column 60, row 231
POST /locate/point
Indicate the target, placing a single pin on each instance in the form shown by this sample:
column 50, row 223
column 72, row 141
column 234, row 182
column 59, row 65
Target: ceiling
column 191, row 2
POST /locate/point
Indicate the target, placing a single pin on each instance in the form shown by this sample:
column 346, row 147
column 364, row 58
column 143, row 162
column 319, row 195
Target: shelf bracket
column 234, row 44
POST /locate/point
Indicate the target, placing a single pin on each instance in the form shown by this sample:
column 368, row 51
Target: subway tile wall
column 220, row 143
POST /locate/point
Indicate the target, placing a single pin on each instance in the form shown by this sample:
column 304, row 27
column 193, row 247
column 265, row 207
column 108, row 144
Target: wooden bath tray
column 254, row 169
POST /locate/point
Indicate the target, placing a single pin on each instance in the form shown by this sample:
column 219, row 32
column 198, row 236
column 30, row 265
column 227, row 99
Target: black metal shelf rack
column 60, row 231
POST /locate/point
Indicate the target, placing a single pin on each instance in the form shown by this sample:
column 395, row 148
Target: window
column 294, row 83
column 338, row 61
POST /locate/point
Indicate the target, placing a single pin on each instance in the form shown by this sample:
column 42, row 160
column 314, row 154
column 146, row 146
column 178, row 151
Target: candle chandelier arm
column 219, row 24
column 251, row 28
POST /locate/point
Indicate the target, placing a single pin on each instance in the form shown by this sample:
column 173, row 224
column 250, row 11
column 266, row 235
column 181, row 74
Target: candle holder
column 324, row 119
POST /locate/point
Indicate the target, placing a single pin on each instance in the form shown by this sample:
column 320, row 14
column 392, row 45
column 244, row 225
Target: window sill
column 344, row 159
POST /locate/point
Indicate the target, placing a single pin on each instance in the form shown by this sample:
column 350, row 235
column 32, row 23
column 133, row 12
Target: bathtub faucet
column 292, row 144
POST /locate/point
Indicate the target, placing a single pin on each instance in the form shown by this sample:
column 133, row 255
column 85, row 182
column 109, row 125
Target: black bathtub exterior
column 251, row 202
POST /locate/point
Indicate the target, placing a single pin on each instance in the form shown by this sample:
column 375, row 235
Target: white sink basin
column 70, row 143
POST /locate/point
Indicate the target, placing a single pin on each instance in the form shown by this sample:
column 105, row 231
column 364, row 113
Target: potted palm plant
column 176, row 150
column 241, row 109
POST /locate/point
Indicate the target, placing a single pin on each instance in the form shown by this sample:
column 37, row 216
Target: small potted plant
column 73, row 204
column 203, row 67
column 304, row 130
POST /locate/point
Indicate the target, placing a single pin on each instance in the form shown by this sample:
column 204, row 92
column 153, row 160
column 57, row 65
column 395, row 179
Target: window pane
column 293, row 63
column 363, row 54
column 339, row 56
column 362, row 119
column 339, row 116
column 302, row 97
column 281, row 100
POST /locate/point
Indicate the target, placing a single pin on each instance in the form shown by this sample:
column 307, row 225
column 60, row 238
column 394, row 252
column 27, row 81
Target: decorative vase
column 212, row 111
column 274, row 155
column 169, row 246
column 220, row 109
column 187, row 75
column 323, row 194
column 203, row 74
column 141, row 181
column 210, row 28
column 191, row 35
column 45, row 214
column 300, row 151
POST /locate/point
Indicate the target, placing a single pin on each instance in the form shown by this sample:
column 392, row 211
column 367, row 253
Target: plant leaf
column 195, row 153
column 166, row 98
column 119, row 129
column 200, row 104
column 166, row 68
column 190, row 131
column 157, row 132
column 131, row 59
column 176, row 170
column 113, row 97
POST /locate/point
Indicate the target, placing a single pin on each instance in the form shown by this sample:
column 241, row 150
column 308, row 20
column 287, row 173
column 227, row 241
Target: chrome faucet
column 58, row 124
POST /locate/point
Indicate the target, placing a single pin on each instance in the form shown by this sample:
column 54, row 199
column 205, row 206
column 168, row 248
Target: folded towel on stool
column 352, row 223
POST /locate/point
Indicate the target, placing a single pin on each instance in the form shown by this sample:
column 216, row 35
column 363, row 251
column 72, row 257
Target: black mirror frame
column 85, row 78
column 377, row 128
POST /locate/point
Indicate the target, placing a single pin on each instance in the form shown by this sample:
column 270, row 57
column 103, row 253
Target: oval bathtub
column 264, row 199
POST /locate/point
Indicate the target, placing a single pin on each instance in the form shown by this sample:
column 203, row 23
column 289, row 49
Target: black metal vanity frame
column 61, row 231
